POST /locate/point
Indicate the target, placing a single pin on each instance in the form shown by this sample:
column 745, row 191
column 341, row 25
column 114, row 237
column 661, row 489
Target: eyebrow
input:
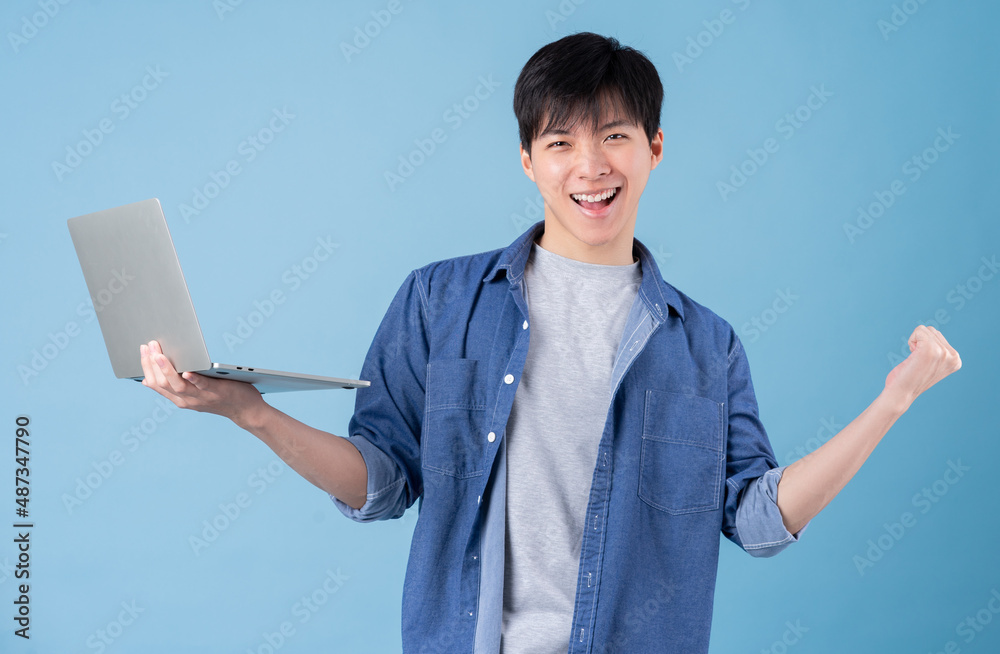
column 563, row 131
column 617, row 123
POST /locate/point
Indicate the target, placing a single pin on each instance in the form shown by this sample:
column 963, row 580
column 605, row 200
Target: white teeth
column 603, row 195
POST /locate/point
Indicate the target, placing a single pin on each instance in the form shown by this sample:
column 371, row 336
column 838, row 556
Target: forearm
column 810, row 483
column 329, row 462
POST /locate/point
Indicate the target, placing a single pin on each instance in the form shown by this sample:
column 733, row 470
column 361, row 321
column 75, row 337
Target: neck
column 616, row 252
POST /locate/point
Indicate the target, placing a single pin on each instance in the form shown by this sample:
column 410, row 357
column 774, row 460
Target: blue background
column 222, row 72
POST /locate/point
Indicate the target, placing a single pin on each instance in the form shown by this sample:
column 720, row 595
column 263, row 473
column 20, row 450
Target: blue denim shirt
column 683, row 457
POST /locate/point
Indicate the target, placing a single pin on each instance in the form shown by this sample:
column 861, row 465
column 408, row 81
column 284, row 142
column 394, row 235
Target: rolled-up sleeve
column 758, row 520
column 388, row 414
column 385, row 495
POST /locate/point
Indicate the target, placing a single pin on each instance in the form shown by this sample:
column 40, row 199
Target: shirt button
column 509, row 379
column 492, row 436
column 525, row 325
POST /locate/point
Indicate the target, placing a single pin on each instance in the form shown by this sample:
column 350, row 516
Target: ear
column 656, row 148
column 526, row 164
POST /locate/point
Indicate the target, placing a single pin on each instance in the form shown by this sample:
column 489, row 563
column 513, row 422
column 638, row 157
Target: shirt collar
column 655, row 293
column 515, row 257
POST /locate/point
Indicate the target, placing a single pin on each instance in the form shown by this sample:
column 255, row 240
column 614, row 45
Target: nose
column 591, row 162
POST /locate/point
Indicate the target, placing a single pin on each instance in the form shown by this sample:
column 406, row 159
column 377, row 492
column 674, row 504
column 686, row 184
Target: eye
column 557, row 144
column 616, row 137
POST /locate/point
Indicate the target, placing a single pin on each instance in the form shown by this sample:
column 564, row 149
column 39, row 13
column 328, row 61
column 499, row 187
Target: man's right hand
column 232, row 399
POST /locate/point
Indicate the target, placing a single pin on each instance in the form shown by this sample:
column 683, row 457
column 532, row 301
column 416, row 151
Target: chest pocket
column 682, row 459
column 452, row 439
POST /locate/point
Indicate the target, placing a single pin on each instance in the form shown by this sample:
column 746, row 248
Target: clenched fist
column 931, row 359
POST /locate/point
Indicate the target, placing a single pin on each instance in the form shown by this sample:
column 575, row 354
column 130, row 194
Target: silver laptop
column 139, row 294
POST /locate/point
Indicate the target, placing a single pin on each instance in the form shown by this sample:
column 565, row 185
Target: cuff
column 383, row 499
column 761, row 530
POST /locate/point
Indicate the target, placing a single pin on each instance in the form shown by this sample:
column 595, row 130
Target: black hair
column 586, row 75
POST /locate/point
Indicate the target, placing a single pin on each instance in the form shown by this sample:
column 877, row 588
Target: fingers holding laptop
column 190, row 390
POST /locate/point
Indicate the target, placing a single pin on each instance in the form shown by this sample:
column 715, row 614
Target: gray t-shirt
column 577, row 312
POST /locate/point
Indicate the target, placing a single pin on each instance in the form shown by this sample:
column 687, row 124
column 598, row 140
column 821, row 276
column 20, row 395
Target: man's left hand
column 931, row 359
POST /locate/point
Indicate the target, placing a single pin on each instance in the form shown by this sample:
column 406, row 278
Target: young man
column 577, row 431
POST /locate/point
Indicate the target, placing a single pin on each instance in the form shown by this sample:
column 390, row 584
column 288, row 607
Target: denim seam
column 379, row 493
column 452, row 473
column 737, row 347
column 456, row 405
column 680, row 441
column 423, row 298
column 758, row 546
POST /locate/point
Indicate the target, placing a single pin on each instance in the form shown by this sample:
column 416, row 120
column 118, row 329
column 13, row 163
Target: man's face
column 591, row 183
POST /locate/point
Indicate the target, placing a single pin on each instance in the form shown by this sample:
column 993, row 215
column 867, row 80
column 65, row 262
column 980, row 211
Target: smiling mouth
column 595, row 201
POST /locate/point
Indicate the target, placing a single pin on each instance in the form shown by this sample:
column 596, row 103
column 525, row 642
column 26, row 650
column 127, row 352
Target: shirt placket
column 510, row 365
column 591, row 551
column 638, row 329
